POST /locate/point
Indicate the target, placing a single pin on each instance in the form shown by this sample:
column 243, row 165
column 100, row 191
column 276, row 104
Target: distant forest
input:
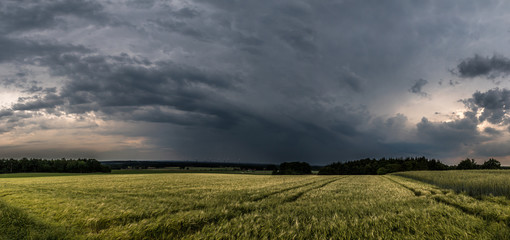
column 59, row 166
column 293, row 168
column 359, row 167
column 136, row 164
column 388, row 165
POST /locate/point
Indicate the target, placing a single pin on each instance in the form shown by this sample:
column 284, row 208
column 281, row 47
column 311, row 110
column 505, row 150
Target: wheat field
column 236, row 206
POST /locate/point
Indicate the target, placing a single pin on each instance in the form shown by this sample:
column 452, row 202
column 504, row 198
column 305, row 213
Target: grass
column 477, row 183
column 237, row 206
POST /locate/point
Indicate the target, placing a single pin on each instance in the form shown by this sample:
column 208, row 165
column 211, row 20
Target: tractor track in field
column 233, row 212
column 264, row 196
column 479, row 213
column 295, row 197
column 182, row 228
column 465, row 209
column 416, row 192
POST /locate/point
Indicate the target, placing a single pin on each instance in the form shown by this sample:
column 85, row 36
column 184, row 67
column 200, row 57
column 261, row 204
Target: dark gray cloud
column 417, row 87
column 129, row 88
column 21, row 50
column 352, row 80
column 5, row 112
column 497, row 149
column 258, row 80
column 492, row 131
column 25, row 15
column 493, row 104
column 490, row 67
column 49, row 101
column 136, row 89
column 447, row 136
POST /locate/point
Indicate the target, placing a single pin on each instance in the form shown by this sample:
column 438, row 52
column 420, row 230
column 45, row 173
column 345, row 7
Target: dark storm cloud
column 181, row 27
column 493, row 104
column 128, row 88
column 28, row 50
column 120, row 84
column 417, row 87
column 49, row 101
column 446, row 136
column 32, row 89
column 493, row 149
column 263, row 80
column 352, row 80
column 294, row 26
column 280, row 138
column 490, row 67
column 5, row 112
column 18, row 16
column 21, row 81
column 492, row 131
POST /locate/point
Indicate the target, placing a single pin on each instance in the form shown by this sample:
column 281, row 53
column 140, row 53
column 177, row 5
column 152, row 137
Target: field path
column 486, row 209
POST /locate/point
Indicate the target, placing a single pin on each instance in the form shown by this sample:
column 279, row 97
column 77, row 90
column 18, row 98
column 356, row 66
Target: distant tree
column 44, row 165
column 491, row 164
column 382, row 171
column 382, row 166
column 294, row 168
column 467, row 164
column 393, row 167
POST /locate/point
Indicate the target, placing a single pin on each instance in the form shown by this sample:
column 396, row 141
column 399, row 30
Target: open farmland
column 211, row 206
column 477, row 183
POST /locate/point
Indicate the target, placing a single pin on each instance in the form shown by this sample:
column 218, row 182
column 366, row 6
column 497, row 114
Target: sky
column 255, row 80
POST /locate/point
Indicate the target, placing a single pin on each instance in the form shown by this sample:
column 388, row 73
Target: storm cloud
column 489, row 67
column 417, row 87
column 493, row 105
column 249, row 81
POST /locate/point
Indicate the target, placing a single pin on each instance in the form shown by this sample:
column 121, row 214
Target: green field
column 476, row 183
column 237, row 206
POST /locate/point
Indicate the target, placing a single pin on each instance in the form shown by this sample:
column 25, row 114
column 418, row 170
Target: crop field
column 237, row 206
column 477, row 183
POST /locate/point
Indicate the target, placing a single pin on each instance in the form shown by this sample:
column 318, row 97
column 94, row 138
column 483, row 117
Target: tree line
column 388, row 165
column 52, row 165
column 471, row 164
column 293, row 168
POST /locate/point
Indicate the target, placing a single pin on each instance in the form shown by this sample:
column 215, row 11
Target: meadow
column 241, row 206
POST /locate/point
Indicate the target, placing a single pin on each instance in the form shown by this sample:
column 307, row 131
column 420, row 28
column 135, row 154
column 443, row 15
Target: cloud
column 28, row 50
column 492, row 149
column 417, row 87
column 122, row 84
column 259, row 80
column 492, row 131
column 26, row 15
column 492, row 104
column 352, row 80
column 5, row 112
column 490, row 67
column 447, row 136
column 48, row 102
